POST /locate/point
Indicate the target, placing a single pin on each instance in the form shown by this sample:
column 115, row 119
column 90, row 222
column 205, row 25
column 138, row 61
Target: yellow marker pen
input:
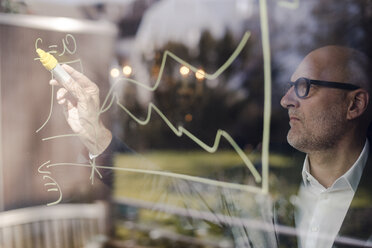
column 51, row 64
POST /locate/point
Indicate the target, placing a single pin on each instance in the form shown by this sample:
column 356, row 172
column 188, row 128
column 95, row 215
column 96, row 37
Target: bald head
column 337, row 64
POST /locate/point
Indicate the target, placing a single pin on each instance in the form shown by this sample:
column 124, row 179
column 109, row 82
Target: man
column 328, row 106
column 329, row 112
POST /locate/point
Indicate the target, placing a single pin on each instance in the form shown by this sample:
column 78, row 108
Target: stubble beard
column 318, row 134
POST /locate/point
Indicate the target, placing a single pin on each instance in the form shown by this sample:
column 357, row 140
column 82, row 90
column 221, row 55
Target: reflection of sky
column 184, row 20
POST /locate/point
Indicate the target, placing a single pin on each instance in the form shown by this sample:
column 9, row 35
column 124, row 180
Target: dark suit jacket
column 358, row 220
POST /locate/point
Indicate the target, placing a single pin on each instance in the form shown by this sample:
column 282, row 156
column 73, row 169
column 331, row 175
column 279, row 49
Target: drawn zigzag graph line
column 179, row 131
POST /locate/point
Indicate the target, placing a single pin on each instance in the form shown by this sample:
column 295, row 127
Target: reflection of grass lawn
column 190, row 163
column 194, row 163
column 223, row 164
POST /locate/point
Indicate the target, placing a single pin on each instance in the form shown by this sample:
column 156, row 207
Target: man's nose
column 289, row 99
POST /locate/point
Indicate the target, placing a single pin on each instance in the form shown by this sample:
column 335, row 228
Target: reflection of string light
column 114, row 72
column 188, row 117
column 127, row 70
column 200, row 74
column 184, row 70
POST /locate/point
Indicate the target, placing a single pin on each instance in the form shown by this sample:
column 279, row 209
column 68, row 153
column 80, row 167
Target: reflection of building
column 111, row 11
column 91, row 36
column 25, row 103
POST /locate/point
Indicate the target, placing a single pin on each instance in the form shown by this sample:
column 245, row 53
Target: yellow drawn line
column 243, row 187
column 267, row 92
column 179, row 131
column 57, row 189
column 50, row 111
column 53, row 183
column 290, row 4
column 61, row 136
column 167, row 53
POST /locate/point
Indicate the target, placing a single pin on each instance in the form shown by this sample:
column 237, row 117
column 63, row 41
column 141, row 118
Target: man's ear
column 359, row 100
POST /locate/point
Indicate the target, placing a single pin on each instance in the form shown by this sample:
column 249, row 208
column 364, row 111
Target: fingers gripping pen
column 51, row 64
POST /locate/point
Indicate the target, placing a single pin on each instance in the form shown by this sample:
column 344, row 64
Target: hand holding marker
column 51, row 64
column 81, row 106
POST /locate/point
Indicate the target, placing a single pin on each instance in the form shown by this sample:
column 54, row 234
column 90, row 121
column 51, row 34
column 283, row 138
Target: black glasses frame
column 343, row 86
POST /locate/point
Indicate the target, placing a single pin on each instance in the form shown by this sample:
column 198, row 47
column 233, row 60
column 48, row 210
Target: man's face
column 318, row 121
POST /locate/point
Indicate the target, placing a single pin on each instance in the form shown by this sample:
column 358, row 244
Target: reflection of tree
column 293, row 34
column 232, row 102
column 347, row 23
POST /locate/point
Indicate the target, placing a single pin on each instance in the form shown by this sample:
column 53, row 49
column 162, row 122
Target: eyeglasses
column 302, row 86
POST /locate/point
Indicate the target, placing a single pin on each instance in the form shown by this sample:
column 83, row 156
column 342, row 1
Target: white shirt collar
column 350, row 179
